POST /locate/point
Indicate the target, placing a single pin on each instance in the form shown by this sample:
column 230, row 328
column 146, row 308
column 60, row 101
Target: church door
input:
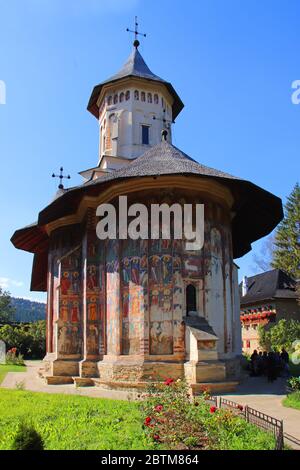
column 191, row 304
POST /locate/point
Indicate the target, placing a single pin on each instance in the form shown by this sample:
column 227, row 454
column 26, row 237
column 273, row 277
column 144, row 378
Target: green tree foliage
column 286, row 253
column 30, row 340
column 6, row 310
column 279, row 336
column 28, row 311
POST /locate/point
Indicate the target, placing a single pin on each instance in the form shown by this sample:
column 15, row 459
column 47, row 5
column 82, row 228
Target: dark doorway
column 191, row 304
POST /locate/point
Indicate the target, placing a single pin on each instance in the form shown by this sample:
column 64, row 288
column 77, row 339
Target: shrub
column 27, row 438
column 294, row 383
column 30, row 340
column 13, row 358
column 170, row 417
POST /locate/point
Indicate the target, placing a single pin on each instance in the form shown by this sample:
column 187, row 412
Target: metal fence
column 261, row 420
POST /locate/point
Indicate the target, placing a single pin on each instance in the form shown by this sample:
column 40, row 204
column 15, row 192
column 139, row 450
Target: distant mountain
column 27, row 311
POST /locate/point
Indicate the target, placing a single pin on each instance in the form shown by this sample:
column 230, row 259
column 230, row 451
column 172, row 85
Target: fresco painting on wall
column 161, row 297
column 69, row 291
column 133, row 280
column 113, row 295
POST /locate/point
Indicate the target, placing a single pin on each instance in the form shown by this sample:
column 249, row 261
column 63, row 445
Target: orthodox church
column 121, row 313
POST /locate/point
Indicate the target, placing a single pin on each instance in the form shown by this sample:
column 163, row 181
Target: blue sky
column 231, row 61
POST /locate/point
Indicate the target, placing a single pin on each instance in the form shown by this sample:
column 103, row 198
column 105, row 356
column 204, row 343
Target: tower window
column 116, row 99
column 127, row 95
column 145, row 135
column 143, row 96
column 156, row 99
column 122, row 96
column 109, row 100
column 136, row 95
column 149, row 96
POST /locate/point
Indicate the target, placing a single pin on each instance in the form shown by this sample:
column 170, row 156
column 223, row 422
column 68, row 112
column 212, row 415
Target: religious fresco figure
column 126, row 270
column 92, row 310
column 155, row 269
column 135, row 267
column 92, row 278
column 64, row 341
column 75, row 282
column 65, row 283
column 167, row 266
column 74, row 340
column 64, row 311
column 75, row 312
column 92, row 339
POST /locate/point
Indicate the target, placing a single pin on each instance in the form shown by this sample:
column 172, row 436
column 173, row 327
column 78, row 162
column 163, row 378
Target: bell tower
column 132, row 107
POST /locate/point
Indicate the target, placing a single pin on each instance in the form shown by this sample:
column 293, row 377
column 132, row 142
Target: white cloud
column 6, row 283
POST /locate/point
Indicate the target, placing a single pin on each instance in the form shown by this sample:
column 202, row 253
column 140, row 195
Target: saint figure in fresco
column 75, row 282
column 75, row 312
column 126, row 270
column 92, row 278
column 135, row 267
column 92, row 310
column 64, row 311
column 65, row 283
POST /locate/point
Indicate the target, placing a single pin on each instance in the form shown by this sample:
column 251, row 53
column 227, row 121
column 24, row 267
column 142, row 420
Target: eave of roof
column 257, row 211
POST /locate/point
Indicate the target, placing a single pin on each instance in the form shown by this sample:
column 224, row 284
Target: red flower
column 240, row 407
column 156, row 437
column 148, row 421
column 158, row 408
column 168, row 381
column 212, row 409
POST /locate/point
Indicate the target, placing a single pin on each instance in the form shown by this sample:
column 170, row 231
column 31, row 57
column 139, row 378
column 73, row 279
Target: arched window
column 136, row 95
column 149, row 97
column 191, row 301
column 127, row 96
column 143, row 96
column 162, row 102
column 116, row 98
column 122, row 97
column 156, row 98
column 109, row 100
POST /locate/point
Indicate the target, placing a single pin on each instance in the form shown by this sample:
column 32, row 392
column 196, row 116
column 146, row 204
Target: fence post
column 246, row 414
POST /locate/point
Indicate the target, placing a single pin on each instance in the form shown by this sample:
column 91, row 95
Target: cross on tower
column 61, row 177
column 136, row 33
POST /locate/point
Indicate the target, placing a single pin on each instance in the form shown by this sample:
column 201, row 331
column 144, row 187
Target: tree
column 263, row 258
column 286, row 253
column 279, row 336
column 6, row 310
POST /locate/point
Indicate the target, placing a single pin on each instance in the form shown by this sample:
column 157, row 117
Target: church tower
column 133, row 108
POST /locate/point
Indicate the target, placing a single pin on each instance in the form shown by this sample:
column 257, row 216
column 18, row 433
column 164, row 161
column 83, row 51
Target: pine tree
column 286, row 254
column 6, row 310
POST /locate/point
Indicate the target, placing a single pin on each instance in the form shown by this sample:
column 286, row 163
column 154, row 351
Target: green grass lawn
column 292, row 400
column 4, row 368
column 70, row 422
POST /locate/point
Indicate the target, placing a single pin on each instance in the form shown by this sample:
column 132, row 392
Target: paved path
column 34, row 383
column 267, row 398
column 253, row 391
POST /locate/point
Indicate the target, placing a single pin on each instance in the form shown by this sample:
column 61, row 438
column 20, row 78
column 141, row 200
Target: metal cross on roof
column 136, row 33
column 61, row 177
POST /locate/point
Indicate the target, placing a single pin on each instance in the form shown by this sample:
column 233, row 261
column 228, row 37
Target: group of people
column 271, row 364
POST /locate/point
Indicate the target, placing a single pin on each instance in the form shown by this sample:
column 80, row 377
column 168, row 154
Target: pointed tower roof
column 135, row 67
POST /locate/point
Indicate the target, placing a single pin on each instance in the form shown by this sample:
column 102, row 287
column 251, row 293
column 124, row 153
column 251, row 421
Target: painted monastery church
column 121, row 313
